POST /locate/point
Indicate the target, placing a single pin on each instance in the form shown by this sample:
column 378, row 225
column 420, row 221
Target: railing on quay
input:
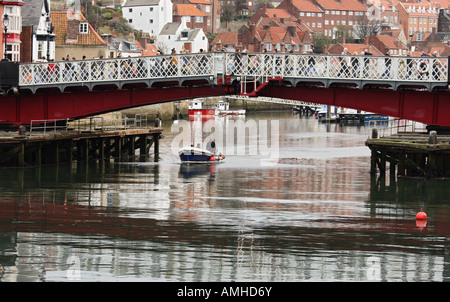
column 96, row 123
column 261, row 66
column 395, row 126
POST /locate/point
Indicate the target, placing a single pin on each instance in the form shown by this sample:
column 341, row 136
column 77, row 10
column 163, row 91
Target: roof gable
column 67, row 31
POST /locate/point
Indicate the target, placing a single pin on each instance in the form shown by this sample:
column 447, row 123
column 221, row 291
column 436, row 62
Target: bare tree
column 366, row 27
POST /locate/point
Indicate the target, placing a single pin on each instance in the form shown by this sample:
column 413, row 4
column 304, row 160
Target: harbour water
column 305, row 211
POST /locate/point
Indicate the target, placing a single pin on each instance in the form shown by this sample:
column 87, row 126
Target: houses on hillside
column 400, row 27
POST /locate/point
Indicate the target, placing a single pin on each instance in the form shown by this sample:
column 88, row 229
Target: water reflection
column 316, row 215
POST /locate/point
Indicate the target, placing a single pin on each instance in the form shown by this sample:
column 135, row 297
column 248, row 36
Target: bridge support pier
column 20, row 151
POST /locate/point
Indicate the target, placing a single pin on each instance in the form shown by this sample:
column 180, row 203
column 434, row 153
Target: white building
column 34, row 16
column 149, row 16
column 177, row 35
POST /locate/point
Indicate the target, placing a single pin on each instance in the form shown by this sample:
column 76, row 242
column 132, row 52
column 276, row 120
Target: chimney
column 291, row 30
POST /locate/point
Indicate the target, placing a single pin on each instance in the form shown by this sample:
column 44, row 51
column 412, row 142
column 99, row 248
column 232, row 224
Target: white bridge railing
column 258, row 65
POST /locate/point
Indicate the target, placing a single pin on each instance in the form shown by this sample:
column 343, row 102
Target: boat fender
column 212, row 158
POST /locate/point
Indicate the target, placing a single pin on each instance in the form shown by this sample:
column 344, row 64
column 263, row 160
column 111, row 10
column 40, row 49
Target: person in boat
column 211, row 146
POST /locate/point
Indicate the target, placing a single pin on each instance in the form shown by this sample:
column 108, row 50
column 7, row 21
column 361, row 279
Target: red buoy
column 213, row 158
column 421, row 215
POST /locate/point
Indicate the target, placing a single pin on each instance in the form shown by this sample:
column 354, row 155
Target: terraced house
column 76, row 38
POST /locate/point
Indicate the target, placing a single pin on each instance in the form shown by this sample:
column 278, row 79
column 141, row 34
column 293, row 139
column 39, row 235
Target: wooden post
column 156, row 142
column 21, row 155
column 373, row 162
column 102, row 150
column 38, row 155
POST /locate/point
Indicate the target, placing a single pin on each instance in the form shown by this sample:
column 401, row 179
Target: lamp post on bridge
column 5, row 27
column 48, row 23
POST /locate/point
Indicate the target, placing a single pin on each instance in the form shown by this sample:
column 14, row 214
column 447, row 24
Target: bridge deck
column 211, row 68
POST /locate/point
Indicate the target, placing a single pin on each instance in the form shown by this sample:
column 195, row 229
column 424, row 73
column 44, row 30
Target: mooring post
column 432, row 138
column 374, row 133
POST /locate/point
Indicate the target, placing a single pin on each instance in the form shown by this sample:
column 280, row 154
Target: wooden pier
column 410, row 154
column 68, row 146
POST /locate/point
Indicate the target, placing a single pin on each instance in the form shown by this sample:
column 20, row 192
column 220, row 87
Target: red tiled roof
column 280, row 35
column 187, row 10
column 61, row 23
column 226, row 38
column 277, row 13
column 199, row 2
column 150, row 50
column 347, row 5
column 391, row 42
column 306, row 6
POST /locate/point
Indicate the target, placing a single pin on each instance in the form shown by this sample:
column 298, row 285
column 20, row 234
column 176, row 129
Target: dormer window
column 84, row 28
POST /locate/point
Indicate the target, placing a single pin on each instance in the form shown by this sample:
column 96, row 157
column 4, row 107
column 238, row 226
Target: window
column 151, row 9
column 319, row 25
column 130, row 10
column 314, row 24
column 150, row 21
column 208, row 9
column 130, row 20
column 83, row 28
column 319, row 15
column 350, row 23
column 343, row 22
column 15, row 22
column 198, row 19
column 326, row 22
column 268, row 46
column 302, row 14
column 343, row 13
column 350, row 13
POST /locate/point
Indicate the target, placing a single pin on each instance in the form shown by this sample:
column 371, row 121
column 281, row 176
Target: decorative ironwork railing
column 212, row 65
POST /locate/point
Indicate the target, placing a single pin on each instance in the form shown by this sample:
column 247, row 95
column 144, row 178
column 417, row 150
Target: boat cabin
column 196, row 104
column 222, row 105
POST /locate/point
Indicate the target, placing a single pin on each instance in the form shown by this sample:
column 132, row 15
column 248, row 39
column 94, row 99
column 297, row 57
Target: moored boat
column 199, row 156
column 197, row 108
column 223, row 108
column 368, row 116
